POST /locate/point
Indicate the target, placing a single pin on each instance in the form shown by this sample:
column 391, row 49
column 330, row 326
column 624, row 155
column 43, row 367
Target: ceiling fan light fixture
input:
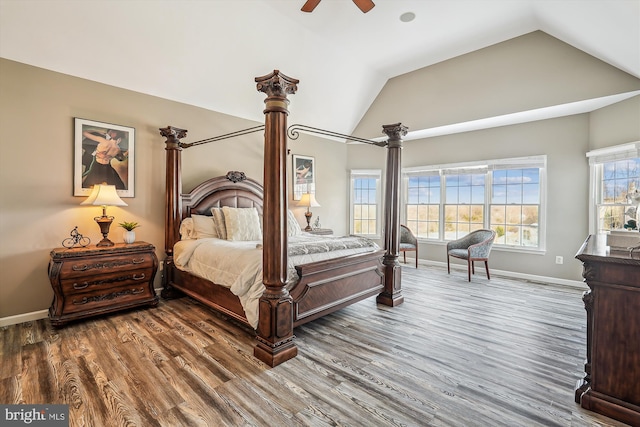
column 407, row 17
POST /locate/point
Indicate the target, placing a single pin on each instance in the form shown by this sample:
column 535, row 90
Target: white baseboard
column 21, row 318
column 510, row 274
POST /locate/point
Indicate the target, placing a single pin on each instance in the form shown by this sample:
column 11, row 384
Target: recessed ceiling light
column 407, row 17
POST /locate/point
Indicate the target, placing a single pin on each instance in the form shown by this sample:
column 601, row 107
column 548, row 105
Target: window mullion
column 443, row 194
column 487, row 199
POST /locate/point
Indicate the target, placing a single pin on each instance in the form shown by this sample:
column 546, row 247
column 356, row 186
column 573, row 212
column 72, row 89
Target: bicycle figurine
column 76, row 239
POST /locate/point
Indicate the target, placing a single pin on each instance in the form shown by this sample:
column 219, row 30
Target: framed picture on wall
column 104, row 153
column 304, row 176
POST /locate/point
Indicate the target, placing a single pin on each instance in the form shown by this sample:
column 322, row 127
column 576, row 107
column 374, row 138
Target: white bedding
column 238, row 264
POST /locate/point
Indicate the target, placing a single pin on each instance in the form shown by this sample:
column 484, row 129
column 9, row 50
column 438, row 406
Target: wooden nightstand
column 92, row 281
column 321, row 231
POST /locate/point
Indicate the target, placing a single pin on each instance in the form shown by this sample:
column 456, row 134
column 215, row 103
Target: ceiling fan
column 364, row 5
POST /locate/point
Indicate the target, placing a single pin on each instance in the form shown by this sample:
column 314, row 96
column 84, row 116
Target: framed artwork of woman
column 304, row 175
column 104, row 153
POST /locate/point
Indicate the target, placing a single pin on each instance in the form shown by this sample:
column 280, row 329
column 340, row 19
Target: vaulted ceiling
column 207, row 52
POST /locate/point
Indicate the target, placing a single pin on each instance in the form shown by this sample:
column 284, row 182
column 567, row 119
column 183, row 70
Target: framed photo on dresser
column 304, row 175
column 103, row 153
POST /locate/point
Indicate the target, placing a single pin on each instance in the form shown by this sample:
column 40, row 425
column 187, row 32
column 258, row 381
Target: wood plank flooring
column 487, row 353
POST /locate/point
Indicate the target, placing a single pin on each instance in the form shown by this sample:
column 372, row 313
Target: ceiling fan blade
column 364, row 5
column 310, row 5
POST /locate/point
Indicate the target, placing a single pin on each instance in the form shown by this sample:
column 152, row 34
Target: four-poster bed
column 323, row 286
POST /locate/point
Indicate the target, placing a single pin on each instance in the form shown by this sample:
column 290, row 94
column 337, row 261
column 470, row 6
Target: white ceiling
column 208, row 52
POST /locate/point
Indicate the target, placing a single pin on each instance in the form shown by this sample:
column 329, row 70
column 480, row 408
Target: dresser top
column 117, row 249
column 595, row 249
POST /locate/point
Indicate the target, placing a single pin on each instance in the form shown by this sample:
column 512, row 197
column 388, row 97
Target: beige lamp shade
column 308, row 200
column 104, row 195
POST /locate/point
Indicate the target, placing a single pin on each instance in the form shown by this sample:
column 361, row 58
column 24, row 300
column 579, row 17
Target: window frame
column 486, row 167
column 597, row 159
column 366, row 173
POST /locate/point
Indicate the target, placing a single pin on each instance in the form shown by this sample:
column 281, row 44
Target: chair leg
column 469, row 267
column 473, row 268
column 448, row 266
column 486, row 266
column 404, row 253
column 416, row 257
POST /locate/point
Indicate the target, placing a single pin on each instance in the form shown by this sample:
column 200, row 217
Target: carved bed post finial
column 392, row 293
column 173, row 134
column 276, row 85
column 173, row 201
column 275, row 328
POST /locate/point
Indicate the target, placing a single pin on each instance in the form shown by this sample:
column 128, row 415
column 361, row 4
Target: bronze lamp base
column 105, row 223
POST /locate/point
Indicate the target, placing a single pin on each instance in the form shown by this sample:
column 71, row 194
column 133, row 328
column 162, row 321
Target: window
column 515, row 206
column 423, row 205
column 447, row 202
column 464, row 204
column 365, row 202
column 615, row 171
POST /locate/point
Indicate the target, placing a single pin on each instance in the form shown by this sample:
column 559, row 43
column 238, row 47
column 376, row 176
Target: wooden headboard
column 233, row 190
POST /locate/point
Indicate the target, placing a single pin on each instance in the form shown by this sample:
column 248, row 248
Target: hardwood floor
column 486, row 353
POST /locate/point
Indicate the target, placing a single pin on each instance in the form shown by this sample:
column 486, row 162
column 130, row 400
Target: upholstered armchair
column 408, row 243
column 475, row 246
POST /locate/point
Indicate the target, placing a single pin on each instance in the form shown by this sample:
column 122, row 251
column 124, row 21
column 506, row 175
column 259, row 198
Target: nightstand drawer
column 105, row 264
column 96, row 282
column 115, row 296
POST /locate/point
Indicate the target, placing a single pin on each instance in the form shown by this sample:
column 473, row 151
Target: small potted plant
column 129, row 234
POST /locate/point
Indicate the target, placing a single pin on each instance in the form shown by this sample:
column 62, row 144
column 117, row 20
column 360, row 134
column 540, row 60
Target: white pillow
column 203, row 227
column 242, row 223
column 219, row 223
column 186, row 229
column 293, row 227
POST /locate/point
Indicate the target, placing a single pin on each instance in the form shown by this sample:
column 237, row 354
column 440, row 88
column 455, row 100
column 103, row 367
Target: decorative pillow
column 242, row 223
column 186, row 229
column 203, row 227
column 219, row 223
column 293, row 227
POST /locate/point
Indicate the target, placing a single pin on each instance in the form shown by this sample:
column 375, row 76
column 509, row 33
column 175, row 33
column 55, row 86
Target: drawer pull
column 138, row 277
column 81, row 285
column 138, row 261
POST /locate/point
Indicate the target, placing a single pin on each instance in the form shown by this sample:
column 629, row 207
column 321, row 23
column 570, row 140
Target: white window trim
column 367, row 173
column 487, row 165
column 596, row 159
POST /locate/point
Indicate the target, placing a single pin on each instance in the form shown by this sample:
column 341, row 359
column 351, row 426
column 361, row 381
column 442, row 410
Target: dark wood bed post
column 392, row 294
column 173, row 202
column 275, row 326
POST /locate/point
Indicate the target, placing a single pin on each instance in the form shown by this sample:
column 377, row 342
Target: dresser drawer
column 90, row 266
column 118, row 296
column 105, row 281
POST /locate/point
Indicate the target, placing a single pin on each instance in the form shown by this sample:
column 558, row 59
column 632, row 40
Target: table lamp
column 308, row 200
column 104, row 195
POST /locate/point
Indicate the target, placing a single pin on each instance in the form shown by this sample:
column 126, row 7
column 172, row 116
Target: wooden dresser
column 92, row 281
column 611, row 385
